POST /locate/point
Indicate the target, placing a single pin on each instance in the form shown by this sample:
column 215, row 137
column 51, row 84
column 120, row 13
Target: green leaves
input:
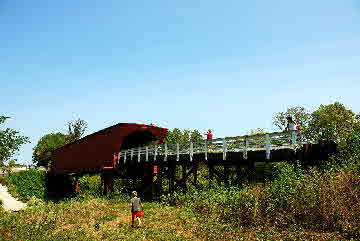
column 299, row 114
column 10, row 142
column 76, row 129
column 25, row 184
column 332, row 122
column 46, row 145
column 183, row 137
column 329, row 122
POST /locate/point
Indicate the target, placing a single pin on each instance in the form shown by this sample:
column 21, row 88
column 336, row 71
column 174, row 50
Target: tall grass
column 322, row 200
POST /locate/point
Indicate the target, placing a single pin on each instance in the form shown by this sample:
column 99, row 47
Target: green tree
column 332, row 122
column 183, row 137
column 76, row 129
column 10, row 142
column 258, row 131
column 299, row 114
column 12, row 163
column 46, row 145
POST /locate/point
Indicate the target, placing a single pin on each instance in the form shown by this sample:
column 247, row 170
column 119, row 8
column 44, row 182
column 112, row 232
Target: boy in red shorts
column 136, row 208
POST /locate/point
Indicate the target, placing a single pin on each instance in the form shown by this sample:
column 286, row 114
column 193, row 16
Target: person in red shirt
column 209, row 135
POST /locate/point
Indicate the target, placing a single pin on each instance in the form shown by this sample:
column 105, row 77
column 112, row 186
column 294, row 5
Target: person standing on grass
column 136, row 208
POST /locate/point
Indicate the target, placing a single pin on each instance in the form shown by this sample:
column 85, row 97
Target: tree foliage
column 332, row 122
column 258, row 131
column 183, row 137
column 76, row 129
column 10, row 142
column 46, row 145
column 299, row 114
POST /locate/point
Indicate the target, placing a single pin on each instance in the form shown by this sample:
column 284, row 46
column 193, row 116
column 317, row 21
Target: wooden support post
column 138, row 156
column 118, row 159
column 159, row 181
column 224, row 149
column 268, row 147
column 154, row 192
column 195, row 169
column 107, row 180
column 191, row 151
column 171, row 172
column 226, row 176
column 155, row 153
column 146, row 154
column 206, row 150
column 177, row 152
column 166, row 152
column 125, row 157
column 183, row 166
column 246, row 144
column 76, row 183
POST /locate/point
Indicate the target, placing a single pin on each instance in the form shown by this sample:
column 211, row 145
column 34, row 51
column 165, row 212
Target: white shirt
column 291, row 126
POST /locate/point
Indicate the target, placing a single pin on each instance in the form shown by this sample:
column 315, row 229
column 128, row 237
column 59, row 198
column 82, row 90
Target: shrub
column 26, row 184
column 283, row 187
column 322, row 201
column 319, row 200
column 90, row 185
column 3, row 181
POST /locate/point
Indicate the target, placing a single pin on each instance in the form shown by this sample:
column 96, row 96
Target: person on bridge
column 136, row 208
column 209, row 135
column 291, row 124
column 292, row 127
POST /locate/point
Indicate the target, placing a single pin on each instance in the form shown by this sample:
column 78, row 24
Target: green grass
column 298, row 204
column 100, row 219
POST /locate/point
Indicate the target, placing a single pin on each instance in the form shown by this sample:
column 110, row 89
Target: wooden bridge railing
column 244, row 144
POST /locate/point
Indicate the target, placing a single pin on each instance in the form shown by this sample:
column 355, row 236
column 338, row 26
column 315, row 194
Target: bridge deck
column 262, row 147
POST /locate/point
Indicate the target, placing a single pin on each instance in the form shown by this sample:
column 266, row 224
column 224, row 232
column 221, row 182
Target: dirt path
column 8, row 202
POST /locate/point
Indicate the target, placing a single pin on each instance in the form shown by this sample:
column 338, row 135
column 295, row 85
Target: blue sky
column 225, row 65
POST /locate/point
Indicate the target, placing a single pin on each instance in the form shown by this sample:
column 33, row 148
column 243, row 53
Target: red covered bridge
column 98, row 151
column 137, row 152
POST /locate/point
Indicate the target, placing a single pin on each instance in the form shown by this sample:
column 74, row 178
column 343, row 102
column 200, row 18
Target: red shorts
column 136, row 214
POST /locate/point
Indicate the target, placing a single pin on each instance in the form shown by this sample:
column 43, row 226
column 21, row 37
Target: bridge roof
column 98, row 148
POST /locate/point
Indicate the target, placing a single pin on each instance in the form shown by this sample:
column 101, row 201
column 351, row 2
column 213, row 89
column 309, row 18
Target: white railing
column 244, row 144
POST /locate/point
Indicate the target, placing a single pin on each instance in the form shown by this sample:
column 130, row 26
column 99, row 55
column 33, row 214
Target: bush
column 90, row 185
column 283, row 187
column 3, row 181
column 26, row 184
column 240, row 207
column 319, row 200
